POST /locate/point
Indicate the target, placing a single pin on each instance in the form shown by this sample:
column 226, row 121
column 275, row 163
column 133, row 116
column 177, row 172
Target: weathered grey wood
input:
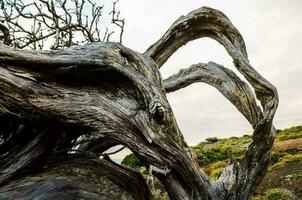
column 120, row 96
column 113, row 95
column 202, row 22
column 224, row 80
column 78, row 177
column 239, row 179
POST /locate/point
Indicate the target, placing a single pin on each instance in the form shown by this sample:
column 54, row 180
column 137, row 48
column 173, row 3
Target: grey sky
column 272, row 31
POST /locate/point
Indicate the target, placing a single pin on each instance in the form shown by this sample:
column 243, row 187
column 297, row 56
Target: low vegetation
column 288, row 159
column 209, row 151
column 132, row 161
column 290, row 133
column 276, row 194
column 283, row 180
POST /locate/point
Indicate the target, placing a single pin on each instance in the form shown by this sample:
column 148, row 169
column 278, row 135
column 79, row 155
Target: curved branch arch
column 114, row 94
column 202, row 22
column 208, row 22
column 224, row 80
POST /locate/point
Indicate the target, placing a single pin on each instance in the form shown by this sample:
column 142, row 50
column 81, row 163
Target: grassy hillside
column 283, row 180
column 284, row 177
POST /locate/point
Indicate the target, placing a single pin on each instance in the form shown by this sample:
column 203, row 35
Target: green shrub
column 132, row 161
column 276, row 157
column 288, row 159
column 278, row 194
column 213, row 153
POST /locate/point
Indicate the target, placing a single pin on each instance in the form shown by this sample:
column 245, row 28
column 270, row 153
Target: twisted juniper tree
column 107, row 95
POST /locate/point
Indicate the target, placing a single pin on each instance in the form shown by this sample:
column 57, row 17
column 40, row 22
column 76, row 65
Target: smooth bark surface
column 89, row 98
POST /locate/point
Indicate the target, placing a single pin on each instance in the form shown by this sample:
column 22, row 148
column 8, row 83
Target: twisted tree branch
column 203, row 22
column 128, row 106
column 207, row 22
column 224, row 80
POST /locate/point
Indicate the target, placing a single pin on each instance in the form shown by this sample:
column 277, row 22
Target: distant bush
column 294, row 129
column 215, row 149
column 212, row 139
column 237, row 141
column 132, row 161
column 289, row 135
column 247, row 136
column 207, row 154
column 278, row 194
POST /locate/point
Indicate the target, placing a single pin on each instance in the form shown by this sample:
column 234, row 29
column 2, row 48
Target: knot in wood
column 157, row 109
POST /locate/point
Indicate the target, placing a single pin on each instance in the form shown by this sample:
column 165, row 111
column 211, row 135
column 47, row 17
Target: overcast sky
column 273, row 34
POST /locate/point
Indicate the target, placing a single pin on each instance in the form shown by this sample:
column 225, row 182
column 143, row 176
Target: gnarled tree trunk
column 104, row 94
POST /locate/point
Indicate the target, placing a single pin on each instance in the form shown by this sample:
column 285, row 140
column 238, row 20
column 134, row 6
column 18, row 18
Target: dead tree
column 61, row 23
column 110, row 95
